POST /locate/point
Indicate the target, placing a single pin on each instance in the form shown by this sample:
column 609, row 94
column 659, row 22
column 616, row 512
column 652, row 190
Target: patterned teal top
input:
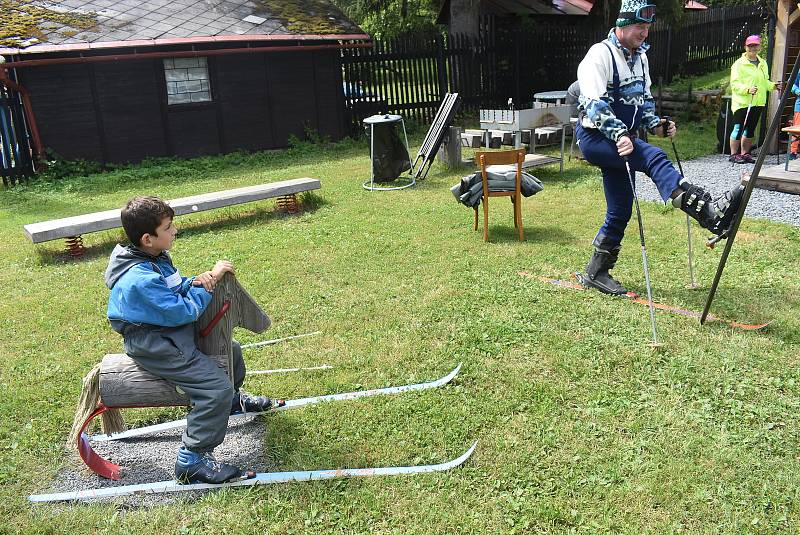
column 596, row 78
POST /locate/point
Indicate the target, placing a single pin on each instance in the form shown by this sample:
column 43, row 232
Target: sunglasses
column 643, row 14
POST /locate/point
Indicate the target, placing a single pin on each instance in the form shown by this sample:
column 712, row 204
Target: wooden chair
column 505, row 157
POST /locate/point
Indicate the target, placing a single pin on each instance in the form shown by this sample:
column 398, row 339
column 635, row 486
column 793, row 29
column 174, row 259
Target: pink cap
column 753, row 40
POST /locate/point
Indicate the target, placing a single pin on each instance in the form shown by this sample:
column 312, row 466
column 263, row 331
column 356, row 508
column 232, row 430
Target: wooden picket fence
column 410, row 75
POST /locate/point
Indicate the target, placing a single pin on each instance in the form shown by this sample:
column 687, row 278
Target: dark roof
column 86, row 22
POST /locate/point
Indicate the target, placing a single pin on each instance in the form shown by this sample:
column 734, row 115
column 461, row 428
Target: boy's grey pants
column 171, row 354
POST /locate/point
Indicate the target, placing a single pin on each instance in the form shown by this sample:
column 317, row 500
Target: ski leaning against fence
column 290, row 404
column 262, row 478
column 659, row 306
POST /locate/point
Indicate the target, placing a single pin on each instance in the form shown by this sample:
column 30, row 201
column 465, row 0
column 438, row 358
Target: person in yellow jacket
column 750, row 84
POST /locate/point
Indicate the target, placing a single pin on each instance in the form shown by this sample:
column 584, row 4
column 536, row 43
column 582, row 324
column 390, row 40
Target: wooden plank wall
column 63, row 102
column 117, row 111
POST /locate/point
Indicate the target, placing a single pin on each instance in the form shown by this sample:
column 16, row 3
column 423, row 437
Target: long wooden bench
column 72, row 228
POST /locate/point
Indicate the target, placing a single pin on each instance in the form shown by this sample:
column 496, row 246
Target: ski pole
column 746, row 115
column 692, row 283
column 654, row 343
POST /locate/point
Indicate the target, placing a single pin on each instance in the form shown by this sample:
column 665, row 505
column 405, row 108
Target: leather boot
column 597, row 271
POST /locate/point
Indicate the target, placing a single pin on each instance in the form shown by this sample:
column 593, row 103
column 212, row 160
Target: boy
column 154, row 309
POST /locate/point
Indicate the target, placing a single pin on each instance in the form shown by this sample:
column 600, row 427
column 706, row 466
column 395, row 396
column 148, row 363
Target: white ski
column 279, row 340
column 262, row 478
column 288, row 370
column 290, row 404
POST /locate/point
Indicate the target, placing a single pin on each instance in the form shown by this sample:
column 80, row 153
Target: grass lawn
column 719, row 79
column 581, row 427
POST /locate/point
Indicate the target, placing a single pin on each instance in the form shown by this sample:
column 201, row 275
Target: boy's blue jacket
column 149, row 291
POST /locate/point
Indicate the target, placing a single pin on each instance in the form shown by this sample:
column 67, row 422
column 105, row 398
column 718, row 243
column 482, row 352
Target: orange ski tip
column 748, row 326
column 635, row 298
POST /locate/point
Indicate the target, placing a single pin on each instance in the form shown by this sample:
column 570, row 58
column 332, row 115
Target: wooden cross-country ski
column 262, row 478
column 634, row 297
column 730, row 233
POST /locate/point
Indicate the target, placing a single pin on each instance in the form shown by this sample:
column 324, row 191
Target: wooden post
column 451, row 155
column 441, row 66
column 722, row 39
column 668, row 77
column 517, row 95
column 779, row 60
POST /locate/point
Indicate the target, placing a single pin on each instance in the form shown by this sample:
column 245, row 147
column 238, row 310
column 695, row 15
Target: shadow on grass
column 500, row 232
column 309, row 203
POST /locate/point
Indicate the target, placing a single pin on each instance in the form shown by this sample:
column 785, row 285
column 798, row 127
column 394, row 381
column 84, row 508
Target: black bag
column 389, row 154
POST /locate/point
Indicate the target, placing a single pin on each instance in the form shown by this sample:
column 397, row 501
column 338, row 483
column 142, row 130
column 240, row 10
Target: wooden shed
column 120, row 81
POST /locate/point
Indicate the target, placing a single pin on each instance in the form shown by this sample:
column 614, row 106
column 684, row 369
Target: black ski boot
column 244, row 402
column 597, row 271
column 714, row 215
column 193, row 467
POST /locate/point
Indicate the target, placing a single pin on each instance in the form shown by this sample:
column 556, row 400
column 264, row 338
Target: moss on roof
column 23, row 20
column 310, row 16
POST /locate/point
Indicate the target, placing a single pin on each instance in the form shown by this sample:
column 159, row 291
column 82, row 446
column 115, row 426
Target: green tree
column 384, row 19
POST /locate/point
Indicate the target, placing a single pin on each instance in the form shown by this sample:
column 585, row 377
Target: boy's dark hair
column 143, row 215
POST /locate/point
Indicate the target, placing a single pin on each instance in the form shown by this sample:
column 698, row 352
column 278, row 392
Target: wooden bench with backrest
column 71, row 228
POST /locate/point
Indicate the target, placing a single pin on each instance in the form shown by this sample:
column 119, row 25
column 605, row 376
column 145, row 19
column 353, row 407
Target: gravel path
column 718, row 175
column 152, row 458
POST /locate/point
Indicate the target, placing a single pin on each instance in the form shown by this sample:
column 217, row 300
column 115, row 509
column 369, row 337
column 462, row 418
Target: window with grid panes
column 187, row 80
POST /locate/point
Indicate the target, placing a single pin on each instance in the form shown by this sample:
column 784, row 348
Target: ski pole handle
column 665, row 126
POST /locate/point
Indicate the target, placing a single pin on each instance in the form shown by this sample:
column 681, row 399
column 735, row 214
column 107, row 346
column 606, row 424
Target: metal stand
column 370, row 184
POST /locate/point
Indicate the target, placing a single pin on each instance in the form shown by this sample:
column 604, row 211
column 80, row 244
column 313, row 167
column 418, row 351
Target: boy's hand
column 222, row 267
column 206, row 280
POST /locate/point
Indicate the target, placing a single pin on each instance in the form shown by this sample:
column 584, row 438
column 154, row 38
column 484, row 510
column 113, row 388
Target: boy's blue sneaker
column 244, row 402
column 193, row 467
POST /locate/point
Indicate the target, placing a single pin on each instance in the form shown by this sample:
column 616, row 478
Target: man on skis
column 615, row 100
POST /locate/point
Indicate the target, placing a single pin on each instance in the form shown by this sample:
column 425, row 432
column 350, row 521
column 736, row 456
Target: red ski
column 574, row 285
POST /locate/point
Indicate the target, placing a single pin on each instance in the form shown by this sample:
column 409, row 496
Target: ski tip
column 471, row 450
column 458, row 368
column 458, row 461
column 449, row 377
column 750, row 326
